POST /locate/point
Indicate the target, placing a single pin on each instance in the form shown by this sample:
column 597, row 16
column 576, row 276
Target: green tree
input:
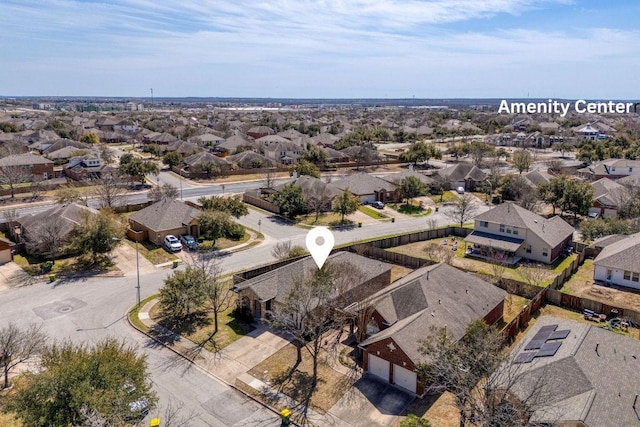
column 346, row 204
column 304, row 167
column 78, row 384
column 137, row 168
column 290, row 200
column 552, row 192
column 592, row 229
column 480, row 150
column 183, row 295
column 233, row 205
column 563, row 148
column 421, row 152
column 515, row 187
column 578, row 197
column 214, row 225
column 315, row 155
column 411, row 187
column 97, row 234
column 69, row 194
column 172, row 158
column 90, row 138
column 522, row 160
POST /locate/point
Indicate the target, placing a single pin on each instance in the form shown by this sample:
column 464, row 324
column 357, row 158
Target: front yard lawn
column 325, row 219
column 153, row 253
column 331, row 384
column 411, row 208
column 447, row 197
column 371, row 212
column 224, row 243
column 230, row 329
column 62, row 266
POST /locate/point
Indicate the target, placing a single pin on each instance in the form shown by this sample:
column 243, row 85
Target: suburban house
column 207, row 140
column 28, row 165
column 166, row 217
column 589, row 375
column 68, row 215
column 404, row 312
column 260, row 131
column 263, row 293
column 611, row 168
column 464, row 175
column 183, row 147
column 87, row 167
column 537, row 177
column 205, row 164
column 6, row 250
column 396, row 178
column 249, row 160
column 368, row 188
column 607, row 194
column 619, row 262
column 509, row 232
column 282, row 152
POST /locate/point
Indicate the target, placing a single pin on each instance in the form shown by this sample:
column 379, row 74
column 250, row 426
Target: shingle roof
column 438, row 295
column 552, row 231
column 25, row 159
column 538, row 177
column 463, row 171
column 165, row 215
column 595, row 387
column 623, row 254
column 607, row 191
column 70, row 213
column 277, row 284
column 204, row 157
column 397, row 178
column 363, row 183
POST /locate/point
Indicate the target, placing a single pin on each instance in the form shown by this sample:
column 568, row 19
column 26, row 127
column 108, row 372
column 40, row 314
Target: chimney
column 427, row 274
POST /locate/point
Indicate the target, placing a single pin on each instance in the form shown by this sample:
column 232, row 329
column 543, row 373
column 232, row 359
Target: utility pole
column 151, row 96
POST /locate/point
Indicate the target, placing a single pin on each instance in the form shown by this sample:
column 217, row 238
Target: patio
column 493, row 247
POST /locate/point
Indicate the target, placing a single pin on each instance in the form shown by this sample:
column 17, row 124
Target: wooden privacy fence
column 568, row 272
column 255, row 200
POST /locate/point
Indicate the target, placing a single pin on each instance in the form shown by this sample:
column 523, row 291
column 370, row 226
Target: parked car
column 138, row 408
column 594, row 214
column 460, row 190
column 172, row 244
column 189, row 241
column 378, row 205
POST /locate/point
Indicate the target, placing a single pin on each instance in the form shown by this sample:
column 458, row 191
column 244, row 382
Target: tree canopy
column 421, row 152
column 97, row 234
column 233, row 205
column 304, row 167
column 346, row 204
column 290, row 200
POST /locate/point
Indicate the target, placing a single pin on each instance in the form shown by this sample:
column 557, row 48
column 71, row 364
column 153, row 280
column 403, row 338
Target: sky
column 321, row 48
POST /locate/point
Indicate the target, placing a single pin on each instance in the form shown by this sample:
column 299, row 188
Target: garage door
column 379, row 367
column 404, row 378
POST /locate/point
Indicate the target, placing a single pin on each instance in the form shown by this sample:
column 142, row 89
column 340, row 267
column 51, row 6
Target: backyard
column 521, row 272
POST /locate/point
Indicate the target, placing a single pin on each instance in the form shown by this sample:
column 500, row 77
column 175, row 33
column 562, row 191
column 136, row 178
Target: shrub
column 235, row 231
column 46, row 267
column 297, row 251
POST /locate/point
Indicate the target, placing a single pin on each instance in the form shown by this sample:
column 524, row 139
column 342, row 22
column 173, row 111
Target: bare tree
column 36, row 186
column 19, row 346
column 165, row 191
column 47, row 237
column 173, row 416
column 110, row 190
column 281, row 250
column 534, row 275
column 498, row 267
column 439, row 253
column 11, row 217
column 269, row 179
column 483, row 378
column 12, row 174
column 463, row 210
column 318, row 198
column 217, row 291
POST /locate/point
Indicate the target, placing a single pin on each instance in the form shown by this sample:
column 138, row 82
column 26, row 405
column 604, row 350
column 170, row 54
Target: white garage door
column 404, row 378
column 379, row 367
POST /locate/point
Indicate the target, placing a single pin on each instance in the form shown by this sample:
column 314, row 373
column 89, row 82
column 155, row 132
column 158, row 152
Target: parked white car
column 460, row 190
column 172, row 244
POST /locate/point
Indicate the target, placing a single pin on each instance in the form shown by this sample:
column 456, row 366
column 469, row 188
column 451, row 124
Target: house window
column 627, row 275
column 635, row 277
column 484, row 224
column 508, row 231
column 515, row 231
column 630, row 170
column 609, row 273
column 502, row 228
column 545, row 251
column 528, row 249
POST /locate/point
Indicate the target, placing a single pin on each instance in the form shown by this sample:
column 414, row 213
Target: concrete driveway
column 371, row 403
column 12, row 276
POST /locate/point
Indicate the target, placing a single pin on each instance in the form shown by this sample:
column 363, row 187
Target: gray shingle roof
column 585, row 385
column 363, row 183
column 438, row 296
column 607, row 192
column 277, row 284
column 70, row 213
column 205, row 157
column 397, row 178
column 552, row 231
column 165, row 215
column 623, row 254
column 463, row 171
column 25, row 159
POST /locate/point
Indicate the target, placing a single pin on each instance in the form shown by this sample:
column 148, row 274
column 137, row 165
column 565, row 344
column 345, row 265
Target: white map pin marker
column 319, row 242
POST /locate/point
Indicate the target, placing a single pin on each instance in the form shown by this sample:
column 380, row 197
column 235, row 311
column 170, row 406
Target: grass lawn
column 225, row 243
column 328, row 218
column 154, row 254
column 331, row 384
column 230, row 329
column 447, row 197
column 373, row 213
column 69, row 265
column 513, row 305
column 472, row 264
column 576, row 284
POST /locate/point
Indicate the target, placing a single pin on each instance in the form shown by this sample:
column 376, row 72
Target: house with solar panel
column 584, row 375
column 508, row 233
column 404, row 312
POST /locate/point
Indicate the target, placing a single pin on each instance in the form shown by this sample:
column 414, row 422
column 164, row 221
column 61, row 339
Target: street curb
column 233, row 386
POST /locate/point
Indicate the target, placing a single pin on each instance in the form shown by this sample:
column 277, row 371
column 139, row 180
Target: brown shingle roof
column 165, row 215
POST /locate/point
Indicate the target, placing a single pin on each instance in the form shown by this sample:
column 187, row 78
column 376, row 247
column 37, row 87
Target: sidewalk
column 231, row 364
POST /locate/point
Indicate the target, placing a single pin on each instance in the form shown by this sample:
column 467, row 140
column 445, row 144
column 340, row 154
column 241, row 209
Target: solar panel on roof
column 548, row 349
column 525, row 357
column 542, row 336
column 559, row 335
column 534, row 344
column 549, row 328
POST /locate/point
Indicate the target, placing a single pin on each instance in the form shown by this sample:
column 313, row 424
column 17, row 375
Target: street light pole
column 138, row 273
